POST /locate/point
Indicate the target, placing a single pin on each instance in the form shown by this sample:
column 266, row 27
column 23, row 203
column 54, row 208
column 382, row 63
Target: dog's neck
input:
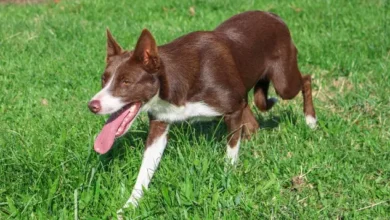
column 173, row 80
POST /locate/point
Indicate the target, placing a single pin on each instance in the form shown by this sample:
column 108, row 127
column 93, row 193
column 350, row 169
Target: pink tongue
column 106, row 137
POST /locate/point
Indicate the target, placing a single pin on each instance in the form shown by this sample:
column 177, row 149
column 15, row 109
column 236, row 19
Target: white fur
column 235, row 34
column 311, row 121
column 232, row 152
column 168, row 112
column 152, row 157
column 108, row 102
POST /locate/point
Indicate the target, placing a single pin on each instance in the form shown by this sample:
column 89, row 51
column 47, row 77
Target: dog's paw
column 311, row 121
column 132, row 202
column 271, row 102
column 119, row 214
column 232, row 155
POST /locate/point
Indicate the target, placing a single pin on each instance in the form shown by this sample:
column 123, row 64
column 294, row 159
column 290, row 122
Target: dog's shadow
column 214, row 130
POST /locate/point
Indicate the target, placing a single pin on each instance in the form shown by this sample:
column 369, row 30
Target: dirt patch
column 342, row 84
column 44, row 102
column 329, row 90
column 298, row 182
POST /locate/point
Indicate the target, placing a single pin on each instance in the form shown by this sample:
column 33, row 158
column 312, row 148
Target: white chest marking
column 168, row 112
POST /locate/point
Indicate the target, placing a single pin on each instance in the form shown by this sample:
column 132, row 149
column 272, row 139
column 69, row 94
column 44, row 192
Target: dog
column 201, row 74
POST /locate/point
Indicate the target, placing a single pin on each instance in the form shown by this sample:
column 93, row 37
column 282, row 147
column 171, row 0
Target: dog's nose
column 94, row 106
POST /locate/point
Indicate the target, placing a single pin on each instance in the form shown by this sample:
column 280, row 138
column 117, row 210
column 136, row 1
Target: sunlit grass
column 51, row 58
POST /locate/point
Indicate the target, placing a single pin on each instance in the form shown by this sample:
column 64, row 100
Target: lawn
column 51, row 58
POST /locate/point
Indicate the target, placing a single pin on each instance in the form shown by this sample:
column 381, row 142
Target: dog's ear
column 146, row 52
column 113, row 47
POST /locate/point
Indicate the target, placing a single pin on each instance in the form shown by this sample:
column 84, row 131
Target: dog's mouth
column 117, row 125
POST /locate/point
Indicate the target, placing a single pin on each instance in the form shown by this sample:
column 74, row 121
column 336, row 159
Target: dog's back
column 264, row 52
column 256, row 39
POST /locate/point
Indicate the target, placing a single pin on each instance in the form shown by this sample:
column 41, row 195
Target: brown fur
column 156, row 129
column 218, row 67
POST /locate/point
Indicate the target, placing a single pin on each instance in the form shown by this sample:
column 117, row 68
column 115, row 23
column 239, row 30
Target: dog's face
column 125, row 81
column 129, row 81
column 129, row 77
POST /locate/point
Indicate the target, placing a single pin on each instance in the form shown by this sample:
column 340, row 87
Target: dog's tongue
column 106, row 137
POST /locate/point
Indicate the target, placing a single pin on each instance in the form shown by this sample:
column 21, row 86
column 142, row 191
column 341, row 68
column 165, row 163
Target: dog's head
column 129, row 81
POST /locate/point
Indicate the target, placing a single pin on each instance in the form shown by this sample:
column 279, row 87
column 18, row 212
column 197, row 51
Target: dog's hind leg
column 155, row 145
column 308, row 107
column 261, row 96
column 288, row 81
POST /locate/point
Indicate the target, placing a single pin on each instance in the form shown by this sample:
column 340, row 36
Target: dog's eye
column 126, row 82
column 103, row 80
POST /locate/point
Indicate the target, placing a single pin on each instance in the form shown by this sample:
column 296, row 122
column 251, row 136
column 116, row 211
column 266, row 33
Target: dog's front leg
column 234, row 125
column 155, row 145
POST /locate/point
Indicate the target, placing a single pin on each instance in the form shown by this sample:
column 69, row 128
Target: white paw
column 119, row 214
column 232, row 159
column 232, row 154
column 311, row 121
column 133, row 202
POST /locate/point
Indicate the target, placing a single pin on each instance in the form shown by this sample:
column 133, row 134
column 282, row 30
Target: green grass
column 51, row 58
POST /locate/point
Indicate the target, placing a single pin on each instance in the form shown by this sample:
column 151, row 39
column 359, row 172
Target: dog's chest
column 165, row 111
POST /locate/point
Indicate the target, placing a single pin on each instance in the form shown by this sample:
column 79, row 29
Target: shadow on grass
column 274, row 121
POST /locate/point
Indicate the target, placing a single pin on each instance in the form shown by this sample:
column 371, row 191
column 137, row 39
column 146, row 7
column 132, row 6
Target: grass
column 51, row 58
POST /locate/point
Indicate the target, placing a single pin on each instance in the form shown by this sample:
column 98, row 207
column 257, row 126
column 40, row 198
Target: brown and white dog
column 201, row 74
